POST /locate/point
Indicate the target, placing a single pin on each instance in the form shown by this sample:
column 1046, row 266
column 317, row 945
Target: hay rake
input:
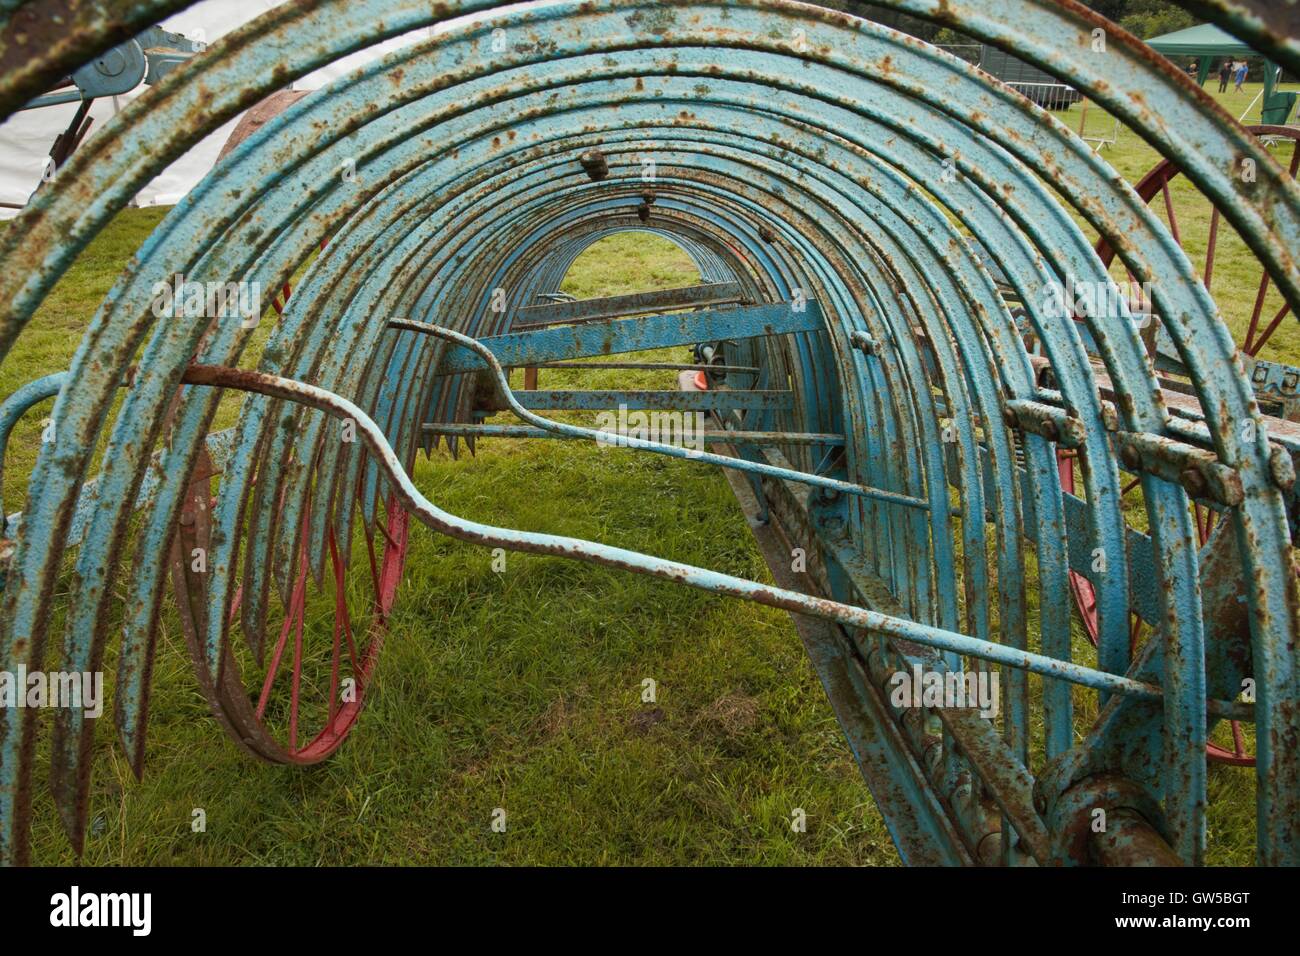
column 875, row 224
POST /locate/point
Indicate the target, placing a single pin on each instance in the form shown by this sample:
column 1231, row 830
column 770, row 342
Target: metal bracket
column 1200, row 472
column 864, row 343
column 1054, row 424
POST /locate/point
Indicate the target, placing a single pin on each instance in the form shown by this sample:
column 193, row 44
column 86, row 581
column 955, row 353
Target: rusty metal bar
column 620, row 306
column 651, row 366
column 677, row 572
column 519, row 405
column 720, row 401
column 707, row 437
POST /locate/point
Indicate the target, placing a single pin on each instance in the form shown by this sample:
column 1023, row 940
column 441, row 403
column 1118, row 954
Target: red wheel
column 1258, row 325
column 1253, row 312
column 294, row 697
column 1085, row 601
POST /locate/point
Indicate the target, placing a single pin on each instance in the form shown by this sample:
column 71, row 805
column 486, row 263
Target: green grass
column 519, row 690
column 522, row 690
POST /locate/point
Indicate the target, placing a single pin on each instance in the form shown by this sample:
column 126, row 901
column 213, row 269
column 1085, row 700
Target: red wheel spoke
column 342, row 620
column 235, row 602
column 1210, row 247
column 340, row 608
column 298, row 597
column 1204, row 521
column 1169, row 211
column 1255, row 313
column 297, row 656
column 1134, row 632
column 374, row 565
column 1268, row 333
column 1085, row 600
column 1128, row 277
column 1238, row 745
column 383, row 526
column 370, row 546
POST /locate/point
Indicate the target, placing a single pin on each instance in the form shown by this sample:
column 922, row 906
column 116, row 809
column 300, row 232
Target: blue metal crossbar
column 711, row 401
column 611, row 336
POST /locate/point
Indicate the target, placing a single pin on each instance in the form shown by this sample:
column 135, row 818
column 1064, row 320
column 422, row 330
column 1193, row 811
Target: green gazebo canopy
column 1204, row 40
column 1207, row 43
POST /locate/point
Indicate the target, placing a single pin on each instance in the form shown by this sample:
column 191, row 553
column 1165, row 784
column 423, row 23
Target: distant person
column 1241, row 76
column 1225, row 74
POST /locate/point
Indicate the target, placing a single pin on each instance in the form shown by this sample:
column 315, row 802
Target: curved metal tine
column 622, row 559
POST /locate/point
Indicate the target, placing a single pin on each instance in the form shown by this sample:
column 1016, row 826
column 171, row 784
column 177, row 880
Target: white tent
column 26, row 138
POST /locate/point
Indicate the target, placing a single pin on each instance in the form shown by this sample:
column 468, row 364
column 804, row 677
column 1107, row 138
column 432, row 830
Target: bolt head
column 1193, row 482
column 1282, row 469
column 594, row 165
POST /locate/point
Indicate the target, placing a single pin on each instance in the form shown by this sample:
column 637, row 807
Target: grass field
column 522, row 690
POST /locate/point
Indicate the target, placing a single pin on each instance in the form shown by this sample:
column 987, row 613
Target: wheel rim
column 294, row 699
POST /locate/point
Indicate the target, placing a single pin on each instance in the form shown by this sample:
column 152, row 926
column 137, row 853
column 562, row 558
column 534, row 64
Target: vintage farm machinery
column 876, row 225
